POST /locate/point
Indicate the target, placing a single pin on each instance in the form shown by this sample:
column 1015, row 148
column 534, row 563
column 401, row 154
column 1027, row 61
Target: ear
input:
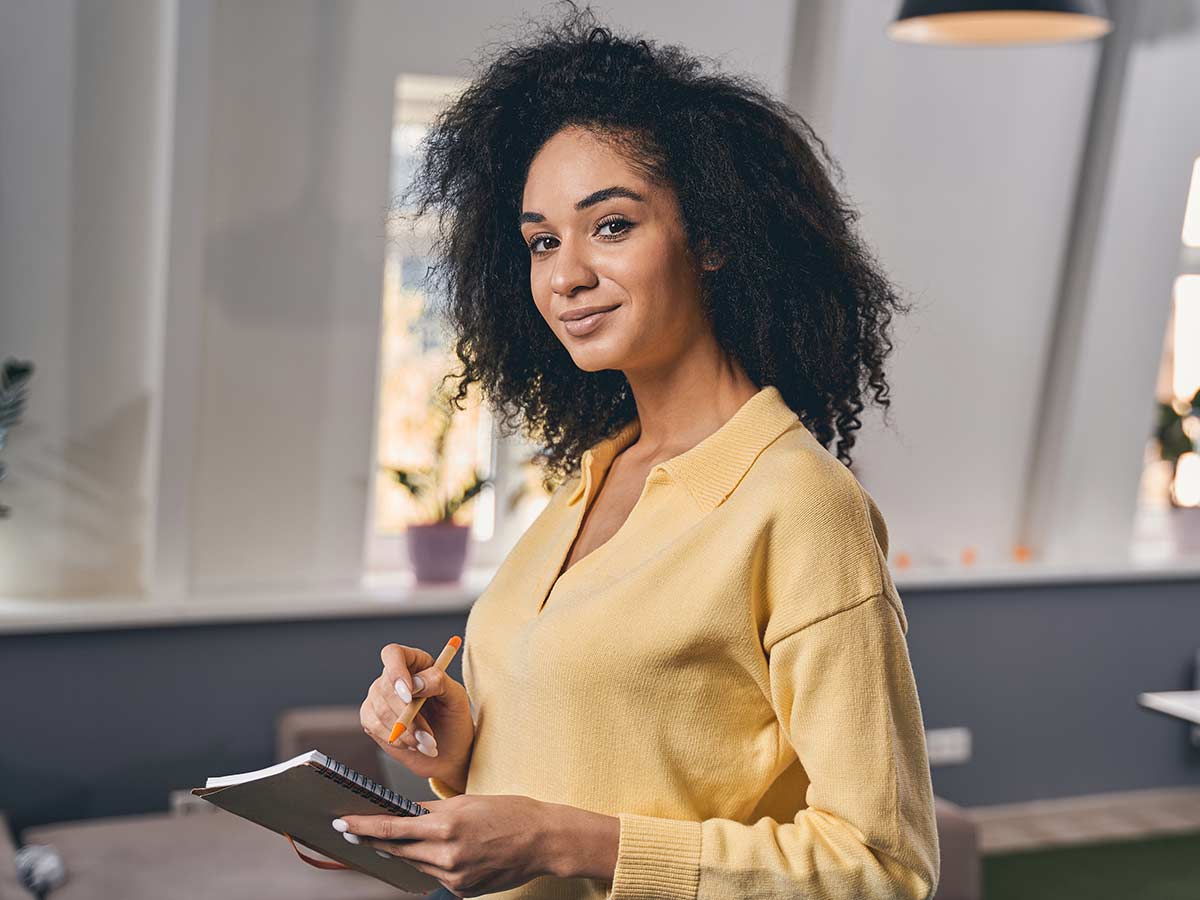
column 710, row 260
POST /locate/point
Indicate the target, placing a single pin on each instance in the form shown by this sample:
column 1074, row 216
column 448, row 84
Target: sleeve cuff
column 443, row 790
column 657, row 859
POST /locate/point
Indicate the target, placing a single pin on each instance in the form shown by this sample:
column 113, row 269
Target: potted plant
column 14, row 379
column 437, row 547
column 1178, row 434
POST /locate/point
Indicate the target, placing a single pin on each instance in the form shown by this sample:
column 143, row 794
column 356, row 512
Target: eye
column 533, row 244
column 613, row 221
column 610, row 222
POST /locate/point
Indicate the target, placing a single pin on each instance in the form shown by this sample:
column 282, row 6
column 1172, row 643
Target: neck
column 684, row 403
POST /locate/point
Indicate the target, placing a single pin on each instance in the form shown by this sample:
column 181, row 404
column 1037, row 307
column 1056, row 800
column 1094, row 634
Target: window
column 1168, row 522
column 1191, row 218
column 415, row 354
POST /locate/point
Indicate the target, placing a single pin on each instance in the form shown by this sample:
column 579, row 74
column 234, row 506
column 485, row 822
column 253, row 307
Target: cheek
column 539, row 291
column 656, row 268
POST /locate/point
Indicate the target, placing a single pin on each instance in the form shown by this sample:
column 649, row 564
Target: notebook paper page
column 242, row 778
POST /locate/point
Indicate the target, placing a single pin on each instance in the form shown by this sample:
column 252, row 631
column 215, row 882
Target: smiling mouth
column 588, row 324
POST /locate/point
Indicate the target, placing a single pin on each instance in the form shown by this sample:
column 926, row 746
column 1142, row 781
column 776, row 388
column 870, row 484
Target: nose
column 572, row 270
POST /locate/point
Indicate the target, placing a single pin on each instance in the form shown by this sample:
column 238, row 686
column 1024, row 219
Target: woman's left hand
column 473, row 844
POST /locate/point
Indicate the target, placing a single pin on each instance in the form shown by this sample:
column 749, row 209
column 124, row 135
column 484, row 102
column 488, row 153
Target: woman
column 690, row 677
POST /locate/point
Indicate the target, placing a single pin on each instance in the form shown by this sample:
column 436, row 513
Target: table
column 1181, row 704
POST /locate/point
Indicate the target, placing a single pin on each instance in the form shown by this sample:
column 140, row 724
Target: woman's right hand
column 445, row 716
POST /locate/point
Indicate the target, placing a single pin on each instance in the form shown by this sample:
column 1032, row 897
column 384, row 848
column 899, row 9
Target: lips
column 572, row 314
column 588, row 324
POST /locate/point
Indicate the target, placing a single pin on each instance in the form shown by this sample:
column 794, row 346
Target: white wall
column 1099, row 404
column 962, row 162
column 965, row 164
column 80, row 127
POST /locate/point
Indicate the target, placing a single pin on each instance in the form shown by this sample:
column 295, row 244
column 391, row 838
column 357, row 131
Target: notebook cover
column 302, row 802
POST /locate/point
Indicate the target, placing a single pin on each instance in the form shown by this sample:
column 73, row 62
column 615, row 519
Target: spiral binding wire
column 372, row 790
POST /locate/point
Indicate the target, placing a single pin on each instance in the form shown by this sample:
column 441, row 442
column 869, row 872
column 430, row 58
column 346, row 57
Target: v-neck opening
column 708, row 471
column 578, row 530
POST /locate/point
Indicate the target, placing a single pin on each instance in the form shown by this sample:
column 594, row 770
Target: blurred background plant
column 14, row 382
column 425, row 485
column 1178, row 434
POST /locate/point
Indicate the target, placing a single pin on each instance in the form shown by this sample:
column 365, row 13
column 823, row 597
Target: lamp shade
column 964, row 23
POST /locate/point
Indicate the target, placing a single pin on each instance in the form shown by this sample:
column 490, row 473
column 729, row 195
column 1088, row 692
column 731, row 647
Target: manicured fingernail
column 352, row 838
column 418, row 684
column 341, row 825
column 424, row 737
column 384, row 855
column 428, row 751
column 402, row 690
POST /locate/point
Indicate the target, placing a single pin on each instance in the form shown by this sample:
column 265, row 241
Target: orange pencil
column 413, row 708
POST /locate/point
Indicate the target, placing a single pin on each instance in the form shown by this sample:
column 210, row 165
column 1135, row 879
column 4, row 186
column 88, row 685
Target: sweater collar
column 712, row 468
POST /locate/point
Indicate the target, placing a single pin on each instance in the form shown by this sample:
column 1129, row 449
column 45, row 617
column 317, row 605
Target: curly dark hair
column 800, row 301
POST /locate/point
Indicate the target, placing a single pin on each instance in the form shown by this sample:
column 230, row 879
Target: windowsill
column 381, row 595
column 1036, row 574
column 387, row 595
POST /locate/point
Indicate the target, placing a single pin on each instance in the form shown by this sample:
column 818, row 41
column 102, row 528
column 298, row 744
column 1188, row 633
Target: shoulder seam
column 857, row 603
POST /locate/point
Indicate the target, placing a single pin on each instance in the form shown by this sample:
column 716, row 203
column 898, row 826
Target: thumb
column 435, row 683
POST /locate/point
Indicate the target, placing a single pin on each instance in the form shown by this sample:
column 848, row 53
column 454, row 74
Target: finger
column 391, row 828
column 400, row 661
column 411, row 853
column 375, row 729
column 385, row 703
column 421, row 724
column 386, row 708
column 432, row 682
column 407, row 738
column 386, row 719
column 387, row 689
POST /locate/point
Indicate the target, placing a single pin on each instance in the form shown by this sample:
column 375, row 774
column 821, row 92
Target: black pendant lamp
column 962, row 23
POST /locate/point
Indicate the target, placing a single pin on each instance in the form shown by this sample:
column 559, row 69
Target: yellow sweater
column 727, row 674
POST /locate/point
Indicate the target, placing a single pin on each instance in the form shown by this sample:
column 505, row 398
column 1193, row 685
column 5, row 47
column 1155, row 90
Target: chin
column 596, row 356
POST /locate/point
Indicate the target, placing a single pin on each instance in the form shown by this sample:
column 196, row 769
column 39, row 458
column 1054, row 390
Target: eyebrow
column 590, row 200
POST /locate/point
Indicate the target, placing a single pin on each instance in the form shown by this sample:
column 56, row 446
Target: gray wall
column 103, row 723
column 106, row 723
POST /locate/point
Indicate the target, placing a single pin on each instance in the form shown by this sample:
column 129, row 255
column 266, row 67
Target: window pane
column 415, row 354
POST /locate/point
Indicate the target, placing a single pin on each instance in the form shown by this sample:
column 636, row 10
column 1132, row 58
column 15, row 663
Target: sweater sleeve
column 443, row 790
column 846, row 700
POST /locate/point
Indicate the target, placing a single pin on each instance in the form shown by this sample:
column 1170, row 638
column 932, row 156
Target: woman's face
column 602, row 236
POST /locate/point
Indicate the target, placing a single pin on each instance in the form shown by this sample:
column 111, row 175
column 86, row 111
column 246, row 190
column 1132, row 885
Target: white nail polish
column 418, row 683
column 402, row 691
column 352, row 838
column 428, row 751
column 340, row 825
column 424, row 737
column 384, row 855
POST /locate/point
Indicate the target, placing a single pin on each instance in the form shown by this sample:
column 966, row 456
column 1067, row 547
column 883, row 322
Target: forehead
column 572, row 164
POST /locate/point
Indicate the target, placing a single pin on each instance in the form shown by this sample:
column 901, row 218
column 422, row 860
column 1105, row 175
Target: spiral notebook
column 299, row 799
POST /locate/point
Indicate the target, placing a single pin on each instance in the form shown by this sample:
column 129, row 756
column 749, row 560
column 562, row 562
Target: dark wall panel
column 107, row 722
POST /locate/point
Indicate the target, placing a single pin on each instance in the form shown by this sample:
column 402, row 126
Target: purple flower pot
column 438, row 551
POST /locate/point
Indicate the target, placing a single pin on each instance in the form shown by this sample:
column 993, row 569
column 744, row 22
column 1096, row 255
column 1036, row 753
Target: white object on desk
column 1183, row 704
